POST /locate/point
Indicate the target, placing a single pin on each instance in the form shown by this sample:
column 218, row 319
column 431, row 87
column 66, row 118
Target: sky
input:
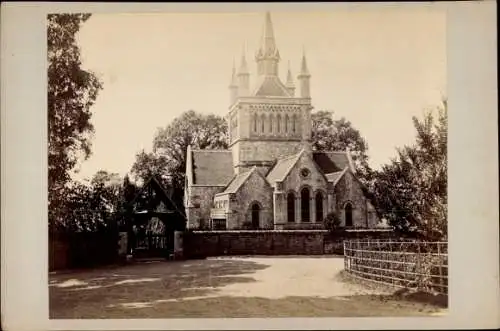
column 375, row 66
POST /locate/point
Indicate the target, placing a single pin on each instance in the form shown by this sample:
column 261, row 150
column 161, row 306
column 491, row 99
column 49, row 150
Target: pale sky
column 376, row 67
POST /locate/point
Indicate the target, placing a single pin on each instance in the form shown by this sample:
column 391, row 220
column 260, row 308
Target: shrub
column 332, row 222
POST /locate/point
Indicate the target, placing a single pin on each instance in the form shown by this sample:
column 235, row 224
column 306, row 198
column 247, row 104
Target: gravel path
column 222, row 287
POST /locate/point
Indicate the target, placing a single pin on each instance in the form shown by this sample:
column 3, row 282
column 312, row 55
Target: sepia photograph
column 248, row 164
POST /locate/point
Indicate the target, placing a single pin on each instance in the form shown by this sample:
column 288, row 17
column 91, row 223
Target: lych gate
column 154, row 221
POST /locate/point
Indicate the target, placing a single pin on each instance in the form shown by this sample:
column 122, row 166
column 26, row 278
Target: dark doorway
column 319, row 207
column 348, row 214
column 290, row 205
column 304, row 201
column 255, row 215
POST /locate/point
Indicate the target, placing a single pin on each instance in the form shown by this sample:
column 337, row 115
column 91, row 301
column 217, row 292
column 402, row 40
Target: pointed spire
column 303, row 68
column 268, row 42
column 267, row 56
column 233, row 76
column 289, row 77
column 243, row 65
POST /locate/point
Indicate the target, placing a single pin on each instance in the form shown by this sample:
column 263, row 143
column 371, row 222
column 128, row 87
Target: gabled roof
column 212, row 167
column 238, row 181
column 154, row 183
column 282, row 168
column 336, row 176
column 331, row 162
column 271, row 86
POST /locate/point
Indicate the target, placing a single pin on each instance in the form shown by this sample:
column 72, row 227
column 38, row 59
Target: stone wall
column 200, row 244
column 349, row 190
column 201, row 201
column 254, row 190
column 82, row 250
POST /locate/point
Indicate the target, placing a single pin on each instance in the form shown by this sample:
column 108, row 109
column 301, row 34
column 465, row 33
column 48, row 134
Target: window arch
column 262, row 123
column 348, row 214
column 287, row 119
column 290, row 206
column 278, row 123
column 271, row 120
column 294, row 124
column 255, row 215
column 254, row 122
column 319, row 207
column 304, row 204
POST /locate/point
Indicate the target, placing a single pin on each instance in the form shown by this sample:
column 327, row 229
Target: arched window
column 254, row 122
column 278, row 123
column 271, row 118
column 294, row 124
column 319, row 207
column 262, row 123
column 348, row 214
column 255, row 215
column 287, row 119
column 290, row 206
column 304, row 204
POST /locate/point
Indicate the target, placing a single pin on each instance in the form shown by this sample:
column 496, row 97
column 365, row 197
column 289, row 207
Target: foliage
column 70, row 94
column 411, row 191
column 339, row 135
column 88, row 208
column 168, row 159
column 332, row 222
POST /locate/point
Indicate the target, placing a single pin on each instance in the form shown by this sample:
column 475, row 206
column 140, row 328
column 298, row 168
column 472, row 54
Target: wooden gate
column 154, row 245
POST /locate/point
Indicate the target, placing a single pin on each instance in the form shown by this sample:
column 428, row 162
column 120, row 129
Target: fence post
column 441, row 287
column 418, row 267
column 345, row 257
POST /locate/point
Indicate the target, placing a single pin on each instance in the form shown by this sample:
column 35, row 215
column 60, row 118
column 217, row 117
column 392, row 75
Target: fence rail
column 405, row 263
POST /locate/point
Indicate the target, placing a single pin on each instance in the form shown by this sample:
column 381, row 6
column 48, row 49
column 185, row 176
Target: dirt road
column 223, row 287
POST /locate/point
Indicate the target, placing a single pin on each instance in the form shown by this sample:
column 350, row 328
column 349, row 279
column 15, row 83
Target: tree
column 147, row 165
column 411, row 191
column 70, row 94
column 168, row 159
column 339, row 135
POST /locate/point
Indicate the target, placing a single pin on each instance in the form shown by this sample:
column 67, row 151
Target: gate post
column 178, row 245
column 123, row 246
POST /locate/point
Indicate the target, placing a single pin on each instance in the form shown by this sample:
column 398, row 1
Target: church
column 270, row 177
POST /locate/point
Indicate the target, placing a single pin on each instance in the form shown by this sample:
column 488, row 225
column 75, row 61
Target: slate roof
column 237, row 181
column 282, row 167
column 271, row 86
column 334, row 177
column 212, row 167
column 331, row 162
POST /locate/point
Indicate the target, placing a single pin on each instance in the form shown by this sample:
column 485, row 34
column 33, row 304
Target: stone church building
column 270, row 177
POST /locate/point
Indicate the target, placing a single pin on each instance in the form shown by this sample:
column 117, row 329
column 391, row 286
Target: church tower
column 268, row 122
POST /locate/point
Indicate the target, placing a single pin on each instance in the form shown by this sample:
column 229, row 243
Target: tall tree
column 70, row 94
column 168, row 159
column 411, row 191
column 339, row 135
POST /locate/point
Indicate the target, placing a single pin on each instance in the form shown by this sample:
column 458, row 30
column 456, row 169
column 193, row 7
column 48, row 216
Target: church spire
column 268, row 56
column 233, row 86
column 290, row 86
column 304, row 78
column 303, row 68
column 243, row 76
column 243, row 64
column 268, row 45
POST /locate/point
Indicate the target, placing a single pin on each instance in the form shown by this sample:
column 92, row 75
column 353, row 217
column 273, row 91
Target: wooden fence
column 404, row 263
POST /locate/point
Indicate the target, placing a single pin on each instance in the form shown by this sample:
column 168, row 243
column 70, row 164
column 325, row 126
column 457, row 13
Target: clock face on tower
column 304, row 173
